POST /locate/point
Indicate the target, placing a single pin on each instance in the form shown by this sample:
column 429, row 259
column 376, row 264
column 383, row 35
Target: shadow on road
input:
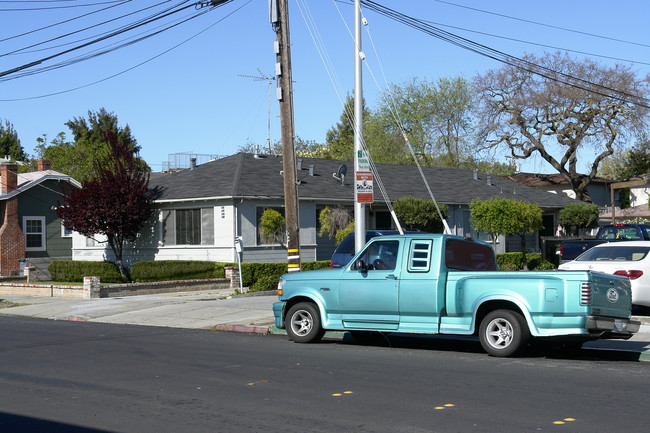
column 471, row 344
column 24, row 424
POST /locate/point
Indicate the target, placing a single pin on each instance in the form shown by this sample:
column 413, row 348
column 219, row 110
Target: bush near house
column 255, row 276
column 71, row 271
column 170, row 270
column 513, row 262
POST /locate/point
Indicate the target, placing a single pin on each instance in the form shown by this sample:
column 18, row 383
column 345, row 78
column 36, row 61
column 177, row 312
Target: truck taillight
column 561, row 250
column 632, row 275
column 585, row 294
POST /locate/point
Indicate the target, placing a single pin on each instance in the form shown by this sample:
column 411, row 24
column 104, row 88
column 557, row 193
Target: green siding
column 39, row 201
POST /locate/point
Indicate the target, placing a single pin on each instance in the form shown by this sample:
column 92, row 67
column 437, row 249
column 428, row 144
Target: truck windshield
column 469, row 256
column 620, row 232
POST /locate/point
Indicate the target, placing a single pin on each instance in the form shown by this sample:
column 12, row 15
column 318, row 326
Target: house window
column 260, row 212
column 188, row 226
column 65, row 233
column 34, row 230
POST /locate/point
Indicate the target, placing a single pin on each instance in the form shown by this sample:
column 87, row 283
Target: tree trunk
column 524, row 259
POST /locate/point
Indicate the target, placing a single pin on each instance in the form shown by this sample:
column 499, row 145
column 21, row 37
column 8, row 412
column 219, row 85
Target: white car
column 630, row 259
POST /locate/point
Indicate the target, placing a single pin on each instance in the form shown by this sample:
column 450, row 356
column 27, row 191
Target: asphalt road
column 60, row 376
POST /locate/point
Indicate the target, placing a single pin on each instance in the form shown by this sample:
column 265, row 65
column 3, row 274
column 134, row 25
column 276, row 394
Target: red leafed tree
column 116, row 203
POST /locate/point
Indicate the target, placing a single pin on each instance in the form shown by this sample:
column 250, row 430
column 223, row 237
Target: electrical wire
column 158, row 16
column 502, row 57
column 65, row 21
column 135, row 66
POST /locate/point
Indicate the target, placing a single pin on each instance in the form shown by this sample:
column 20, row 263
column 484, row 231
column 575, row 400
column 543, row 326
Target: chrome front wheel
column 303, row 324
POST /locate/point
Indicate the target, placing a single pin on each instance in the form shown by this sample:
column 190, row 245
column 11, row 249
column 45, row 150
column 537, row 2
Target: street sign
column 364, row 192
column 363, row 161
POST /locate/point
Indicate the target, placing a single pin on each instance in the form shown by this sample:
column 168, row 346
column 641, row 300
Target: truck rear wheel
column 303, row 323
column 504, row 333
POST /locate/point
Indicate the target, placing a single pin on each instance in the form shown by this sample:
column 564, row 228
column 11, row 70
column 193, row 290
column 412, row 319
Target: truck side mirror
column 360, row 266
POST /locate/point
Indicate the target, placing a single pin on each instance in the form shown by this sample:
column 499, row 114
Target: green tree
column 419, row 214
column 436, row 116
column 339, row 140
column 628, row 163
column 500, row 216
column 303, row 148
column 79, row 158
column 10, row 143
column 536, row 107
column 576, row 216
column 273, row 227
column 334, row 220
column 115, row 203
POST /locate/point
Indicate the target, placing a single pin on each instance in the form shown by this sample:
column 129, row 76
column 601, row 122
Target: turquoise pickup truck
column 444, row 284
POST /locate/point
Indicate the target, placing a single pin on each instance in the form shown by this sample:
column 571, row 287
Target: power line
column 132, row 67
column 544, row 24
column 170, row 11
column 52, row 7
column 502, row 57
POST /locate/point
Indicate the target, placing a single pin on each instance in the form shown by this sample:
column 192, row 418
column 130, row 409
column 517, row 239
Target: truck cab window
column 469, row 256
column 380, row 255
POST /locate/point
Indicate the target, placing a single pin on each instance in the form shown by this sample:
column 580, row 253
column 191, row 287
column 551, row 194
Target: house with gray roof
column 203, row 210
column 30, row 231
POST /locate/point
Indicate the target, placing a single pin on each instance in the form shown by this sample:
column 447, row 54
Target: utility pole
column 359, row 206
column 279, row 15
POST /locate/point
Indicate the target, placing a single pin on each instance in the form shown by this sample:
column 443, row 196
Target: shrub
column 170, row 270
column 265, row 283
column 312, row 266
column 513, row 262
column 75, row 271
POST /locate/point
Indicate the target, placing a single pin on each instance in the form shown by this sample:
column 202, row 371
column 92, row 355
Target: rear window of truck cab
column 469, row 256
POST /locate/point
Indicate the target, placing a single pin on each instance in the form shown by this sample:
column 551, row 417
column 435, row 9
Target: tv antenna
column 263, row 77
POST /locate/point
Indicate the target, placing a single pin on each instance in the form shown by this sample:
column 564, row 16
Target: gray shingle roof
column 247, row 176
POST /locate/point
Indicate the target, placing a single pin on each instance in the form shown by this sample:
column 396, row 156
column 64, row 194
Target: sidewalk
column 215, row 309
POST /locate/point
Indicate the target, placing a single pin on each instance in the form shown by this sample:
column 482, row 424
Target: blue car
column 345, row 250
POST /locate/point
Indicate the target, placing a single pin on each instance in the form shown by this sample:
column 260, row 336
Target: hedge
column 513, row 262
column 170, row 270
column 75, row 271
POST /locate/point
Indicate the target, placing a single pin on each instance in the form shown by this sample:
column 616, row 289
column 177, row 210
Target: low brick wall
column 113, row 290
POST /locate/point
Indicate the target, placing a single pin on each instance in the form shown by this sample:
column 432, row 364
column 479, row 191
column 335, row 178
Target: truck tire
column 504, row 333
column 303, row 323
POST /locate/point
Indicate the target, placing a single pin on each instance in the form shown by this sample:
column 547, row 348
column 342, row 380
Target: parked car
column 630, row 259
column 571, row 249
column 345, row 250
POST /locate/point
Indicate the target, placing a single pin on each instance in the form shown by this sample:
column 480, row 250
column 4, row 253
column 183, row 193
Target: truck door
column 368, row 297
column 420, row 298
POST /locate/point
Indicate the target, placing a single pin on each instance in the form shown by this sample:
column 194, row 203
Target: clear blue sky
column 193, row 97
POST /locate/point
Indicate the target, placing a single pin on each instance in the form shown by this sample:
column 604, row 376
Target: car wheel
column 303, row 324
column 504, row 333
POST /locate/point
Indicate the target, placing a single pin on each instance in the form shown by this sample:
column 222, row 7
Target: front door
column 368, row 297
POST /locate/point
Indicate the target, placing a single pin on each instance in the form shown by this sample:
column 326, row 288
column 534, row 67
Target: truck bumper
column 609, row 327
column 278, row 313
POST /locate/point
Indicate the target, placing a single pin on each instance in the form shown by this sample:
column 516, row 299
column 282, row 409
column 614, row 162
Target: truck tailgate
column 610, row 295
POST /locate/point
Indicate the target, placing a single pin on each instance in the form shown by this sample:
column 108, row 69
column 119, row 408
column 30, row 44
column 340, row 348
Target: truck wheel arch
column 298, row 299
column 488, row 306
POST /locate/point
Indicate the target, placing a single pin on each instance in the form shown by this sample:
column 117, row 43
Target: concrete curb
column 250, row 329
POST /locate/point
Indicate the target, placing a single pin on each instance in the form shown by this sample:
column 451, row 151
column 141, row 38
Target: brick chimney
column 8, row 177
column 43, row 164
column 12, row 241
